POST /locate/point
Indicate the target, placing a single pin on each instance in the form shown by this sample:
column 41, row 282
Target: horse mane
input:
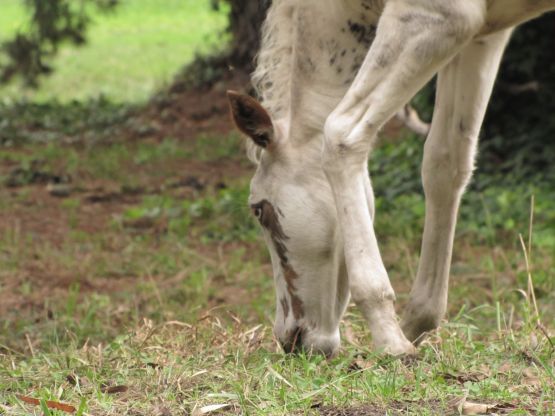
column 272, row 78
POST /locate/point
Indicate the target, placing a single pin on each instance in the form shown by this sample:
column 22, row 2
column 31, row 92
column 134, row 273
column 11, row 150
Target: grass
column 130, row 54
column 161, row 302
column 145, row 288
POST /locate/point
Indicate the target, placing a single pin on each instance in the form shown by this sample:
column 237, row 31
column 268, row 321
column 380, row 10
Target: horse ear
column 251, row 118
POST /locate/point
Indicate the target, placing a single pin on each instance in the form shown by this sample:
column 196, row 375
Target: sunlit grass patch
column 130, row 53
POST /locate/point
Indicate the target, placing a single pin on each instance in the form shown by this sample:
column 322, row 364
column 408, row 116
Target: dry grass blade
column 531, row 290
column 527, row 258
column 210, row 409
column 279, row 376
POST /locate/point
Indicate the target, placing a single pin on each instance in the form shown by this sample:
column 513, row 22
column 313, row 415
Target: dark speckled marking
column 363, row 33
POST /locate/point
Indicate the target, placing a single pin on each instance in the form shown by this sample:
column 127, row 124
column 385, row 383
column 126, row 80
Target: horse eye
column 258, row 212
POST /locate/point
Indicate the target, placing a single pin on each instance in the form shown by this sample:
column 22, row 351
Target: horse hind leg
column 463, row 90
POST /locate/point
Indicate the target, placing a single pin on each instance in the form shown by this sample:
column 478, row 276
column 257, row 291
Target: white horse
column 330, row 74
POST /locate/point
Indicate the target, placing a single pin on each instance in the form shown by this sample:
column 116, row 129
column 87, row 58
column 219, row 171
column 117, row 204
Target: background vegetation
column 131, row 52
column 134, row 281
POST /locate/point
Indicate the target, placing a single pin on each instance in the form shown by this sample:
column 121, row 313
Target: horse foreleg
column 414, row 40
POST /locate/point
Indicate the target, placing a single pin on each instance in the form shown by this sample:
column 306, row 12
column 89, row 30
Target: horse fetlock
column 392, row 342
column 387, row 335
column 419, row 320
column 386, row 332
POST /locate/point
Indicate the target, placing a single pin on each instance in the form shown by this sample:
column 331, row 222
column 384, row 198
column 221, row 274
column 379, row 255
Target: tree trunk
column 237, row 61
column 245, row 20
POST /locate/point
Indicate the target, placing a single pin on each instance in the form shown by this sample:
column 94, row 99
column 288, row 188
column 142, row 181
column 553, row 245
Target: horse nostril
column 294, row 343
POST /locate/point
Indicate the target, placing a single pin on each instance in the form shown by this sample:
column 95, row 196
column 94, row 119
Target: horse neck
column 329, row 46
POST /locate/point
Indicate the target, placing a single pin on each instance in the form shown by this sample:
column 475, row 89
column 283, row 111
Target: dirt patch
column 185, row 115
column 43, row 208
column 392, row 408
column 400, row 407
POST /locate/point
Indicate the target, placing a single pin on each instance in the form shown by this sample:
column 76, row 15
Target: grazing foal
column 330, row 74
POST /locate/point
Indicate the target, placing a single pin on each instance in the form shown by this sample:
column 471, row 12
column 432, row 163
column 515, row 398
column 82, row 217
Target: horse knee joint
column 441, row 173
column 365, row 289
column 342, row 146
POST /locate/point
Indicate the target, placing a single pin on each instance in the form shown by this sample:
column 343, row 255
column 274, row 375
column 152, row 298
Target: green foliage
column 55, row 122
column 492, row 202
column 172, row 297
column 519, row 129
column 223, row 216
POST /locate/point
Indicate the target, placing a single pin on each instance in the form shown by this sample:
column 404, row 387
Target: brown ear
column 251, row 118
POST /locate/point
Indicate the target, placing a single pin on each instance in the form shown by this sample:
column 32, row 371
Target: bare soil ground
column 39, row 212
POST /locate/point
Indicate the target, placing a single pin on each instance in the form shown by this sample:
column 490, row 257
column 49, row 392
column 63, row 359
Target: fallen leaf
column 49, row 403
column 210, row 409
column 465, row 407
column 470, row 408
column 114, row 389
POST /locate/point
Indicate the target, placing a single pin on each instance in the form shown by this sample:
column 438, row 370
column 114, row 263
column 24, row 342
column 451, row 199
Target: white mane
column 272, row 77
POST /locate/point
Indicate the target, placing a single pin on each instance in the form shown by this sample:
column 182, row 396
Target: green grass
column 144, row 292
column 130, row 53
column 181, row 303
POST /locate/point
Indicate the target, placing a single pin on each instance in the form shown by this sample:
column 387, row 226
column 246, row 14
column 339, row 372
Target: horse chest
column 334, row 40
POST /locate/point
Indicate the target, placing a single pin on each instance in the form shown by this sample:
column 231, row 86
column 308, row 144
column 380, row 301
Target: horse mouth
column 294, row 344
